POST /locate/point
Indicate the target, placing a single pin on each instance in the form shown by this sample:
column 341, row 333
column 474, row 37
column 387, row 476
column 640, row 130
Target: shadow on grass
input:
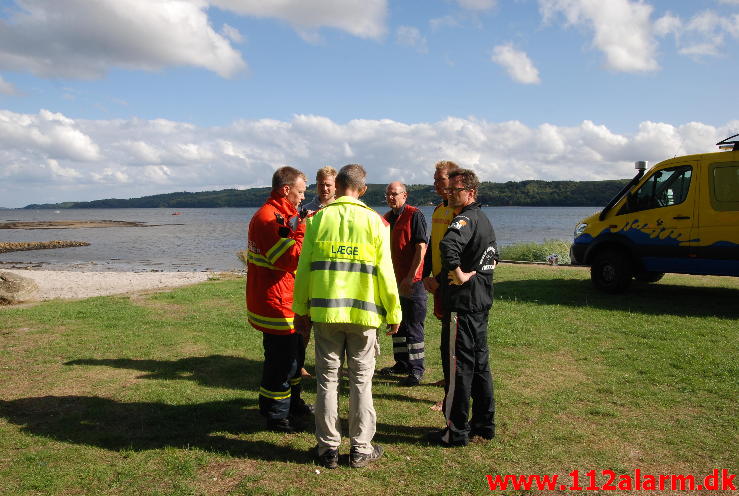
column 221, row 371
column 113, row 425
column 654, row 299
column 212, row 426
column 404, row 398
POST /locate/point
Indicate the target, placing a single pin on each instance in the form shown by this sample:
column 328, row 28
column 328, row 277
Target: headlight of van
column 580, row 228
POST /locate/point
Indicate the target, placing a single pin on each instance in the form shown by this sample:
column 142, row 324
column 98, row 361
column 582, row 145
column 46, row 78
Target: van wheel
column 611, row 271
column 648, row 277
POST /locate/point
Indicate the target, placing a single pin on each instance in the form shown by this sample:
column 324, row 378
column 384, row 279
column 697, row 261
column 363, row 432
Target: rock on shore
column 16, row 289
column 39, row 245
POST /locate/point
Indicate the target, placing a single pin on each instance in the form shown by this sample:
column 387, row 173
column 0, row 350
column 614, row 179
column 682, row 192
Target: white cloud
column 704, row 34
column 667, row 24
column 50, row 135
column 48, row 156
column 362, row 18
column 516, row 63
column 232, row 33
column 477, row 4
column 59, row 172
column 621, row 29
column 411, row 37
column 83, row 39
column 7, row 88
column 445, row 22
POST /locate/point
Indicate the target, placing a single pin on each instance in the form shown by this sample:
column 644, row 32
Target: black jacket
column 469, row 243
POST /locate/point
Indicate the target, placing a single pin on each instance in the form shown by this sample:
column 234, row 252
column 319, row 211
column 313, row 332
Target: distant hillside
column 521, row 193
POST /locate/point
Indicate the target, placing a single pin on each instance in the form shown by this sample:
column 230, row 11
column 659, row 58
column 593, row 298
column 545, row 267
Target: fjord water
column 208, row 238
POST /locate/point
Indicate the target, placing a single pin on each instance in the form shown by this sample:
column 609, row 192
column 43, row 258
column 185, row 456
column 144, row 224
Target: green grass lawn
column 157, row 393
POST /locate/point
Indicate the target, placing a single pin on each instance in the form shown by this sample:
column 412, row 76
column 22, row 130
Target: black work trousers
column 408, row 344
column 464, row 357
column 284, row 356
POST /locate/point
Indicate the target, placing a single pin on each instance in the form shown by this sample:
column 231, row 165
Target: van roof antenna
column 725, row 144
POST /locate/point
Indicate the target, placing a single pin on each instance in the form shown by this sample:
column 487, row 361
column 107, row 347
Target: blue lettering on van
column 640, row 236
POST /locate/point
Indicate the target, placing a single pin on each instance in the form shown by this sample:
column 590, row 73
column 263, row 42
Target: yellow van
column 682, row 216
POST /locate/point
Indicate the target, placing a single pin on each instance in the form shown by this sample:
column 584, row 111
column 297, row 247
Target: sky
column 128, row 98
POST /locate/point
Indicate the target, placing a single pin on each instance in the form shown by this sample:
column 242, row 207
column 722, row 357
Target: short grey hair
column 351, row 176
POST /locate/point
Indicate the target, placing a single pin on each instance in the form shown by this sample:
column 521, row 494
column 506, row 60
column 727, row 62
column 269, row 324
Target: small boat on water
column 176, row 213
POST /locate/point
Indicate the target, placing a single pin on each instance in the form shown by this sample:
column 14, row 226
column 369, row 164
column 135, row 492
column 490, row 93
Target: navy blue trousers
column 284, row 356
column 464, row 357
column 408, row 344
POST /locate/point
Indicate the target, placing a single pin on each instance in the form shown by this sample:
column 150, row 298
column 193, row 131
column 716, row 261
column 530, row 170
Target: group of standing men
column 338, row 268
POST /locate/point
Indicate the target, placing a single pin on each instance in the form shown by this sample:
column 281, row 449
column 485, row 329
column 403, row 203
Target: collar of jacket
column 469, row 207
column 348, row 200
column 282, row 203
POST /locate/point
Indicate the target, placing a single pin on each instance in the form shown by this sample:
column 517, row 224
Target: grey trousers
column 358, row 343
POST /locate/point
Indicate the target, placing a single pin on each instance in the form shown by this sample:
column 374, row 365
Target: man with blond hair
column 325, row 190
column 440, row 219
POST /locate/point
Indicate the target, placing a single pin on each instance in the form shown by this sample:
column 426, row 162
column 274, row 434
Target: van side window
column 664, row 188
column 724, row 185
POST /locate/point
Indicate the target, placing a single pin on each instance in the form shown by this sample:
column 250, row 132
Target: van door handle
column 681, row 217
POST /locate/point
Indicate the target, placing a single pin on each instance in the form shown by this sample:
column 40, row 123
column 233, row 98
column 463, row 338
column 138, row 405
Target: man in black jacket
column 469, row 255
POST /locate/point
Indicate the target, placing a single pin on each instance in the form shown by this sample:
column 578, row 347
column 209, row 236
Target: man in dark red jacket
column 408, row 246
column 275, row 239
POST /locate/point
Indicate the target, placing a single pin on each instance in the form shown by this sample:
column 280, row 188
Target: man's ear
column 363, row 191
column 285, row 189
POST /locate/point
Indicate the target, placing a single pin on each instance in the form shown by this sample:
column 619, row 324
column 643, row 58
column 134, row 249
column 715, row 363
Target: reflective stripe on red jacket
column 275, row 240
column 401, row 245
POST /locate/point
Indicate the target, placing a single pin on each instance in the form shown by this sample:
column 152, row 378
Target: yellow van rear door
column 716, row 244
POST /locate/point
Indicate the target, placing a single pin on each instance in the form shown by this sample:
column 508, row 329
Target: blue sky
column 124, row 98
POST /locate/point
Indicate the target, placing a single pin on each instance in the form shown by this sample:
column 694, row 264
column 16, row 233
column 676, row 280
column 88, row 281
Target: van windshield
column 663, row 189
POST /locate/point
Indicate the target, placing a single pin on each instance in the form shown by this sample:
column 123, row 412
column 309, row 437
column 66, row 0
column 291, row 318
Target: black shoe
column 301, row 409
column 482, row 435
column 437, row 437
column 280, row 425
column 329, row 459
column 410, row 381
column 359, row 460
column 396, row 369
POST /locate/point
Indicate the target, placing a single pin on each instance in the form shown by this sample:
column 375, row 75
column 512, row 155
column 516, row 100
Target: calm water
column 208, row 238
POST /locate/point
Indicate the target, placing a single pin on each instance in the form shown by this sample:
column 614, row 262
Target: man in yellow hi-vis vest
column 345, row 286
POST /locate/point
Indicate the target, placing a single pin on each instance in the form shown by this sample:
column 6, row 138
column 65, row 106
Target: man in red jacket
column 275, row 239
column 408, row 242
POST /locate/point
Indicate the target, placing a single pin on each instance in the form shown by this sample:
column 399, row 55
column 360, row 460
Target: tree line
column 531, row 193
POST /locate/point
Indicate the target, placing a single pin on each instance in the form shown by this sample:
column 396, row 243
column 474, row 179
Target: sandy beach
column 77, row 285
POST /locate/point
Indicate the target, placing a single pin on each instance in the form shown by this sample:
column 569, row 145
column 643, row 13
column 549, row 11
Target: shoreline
column 40, row 245
column 75, row 285
column 70, row 224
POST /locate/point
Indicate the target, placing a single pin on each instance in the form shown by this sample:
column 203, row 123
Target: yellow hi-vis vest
column 345, row 272
column 440, row 220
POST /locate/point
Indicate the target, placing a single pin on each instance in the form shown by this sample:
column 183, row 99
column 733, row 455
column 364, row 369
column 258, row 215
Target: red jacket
column 401, row 246
column 275, row 240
